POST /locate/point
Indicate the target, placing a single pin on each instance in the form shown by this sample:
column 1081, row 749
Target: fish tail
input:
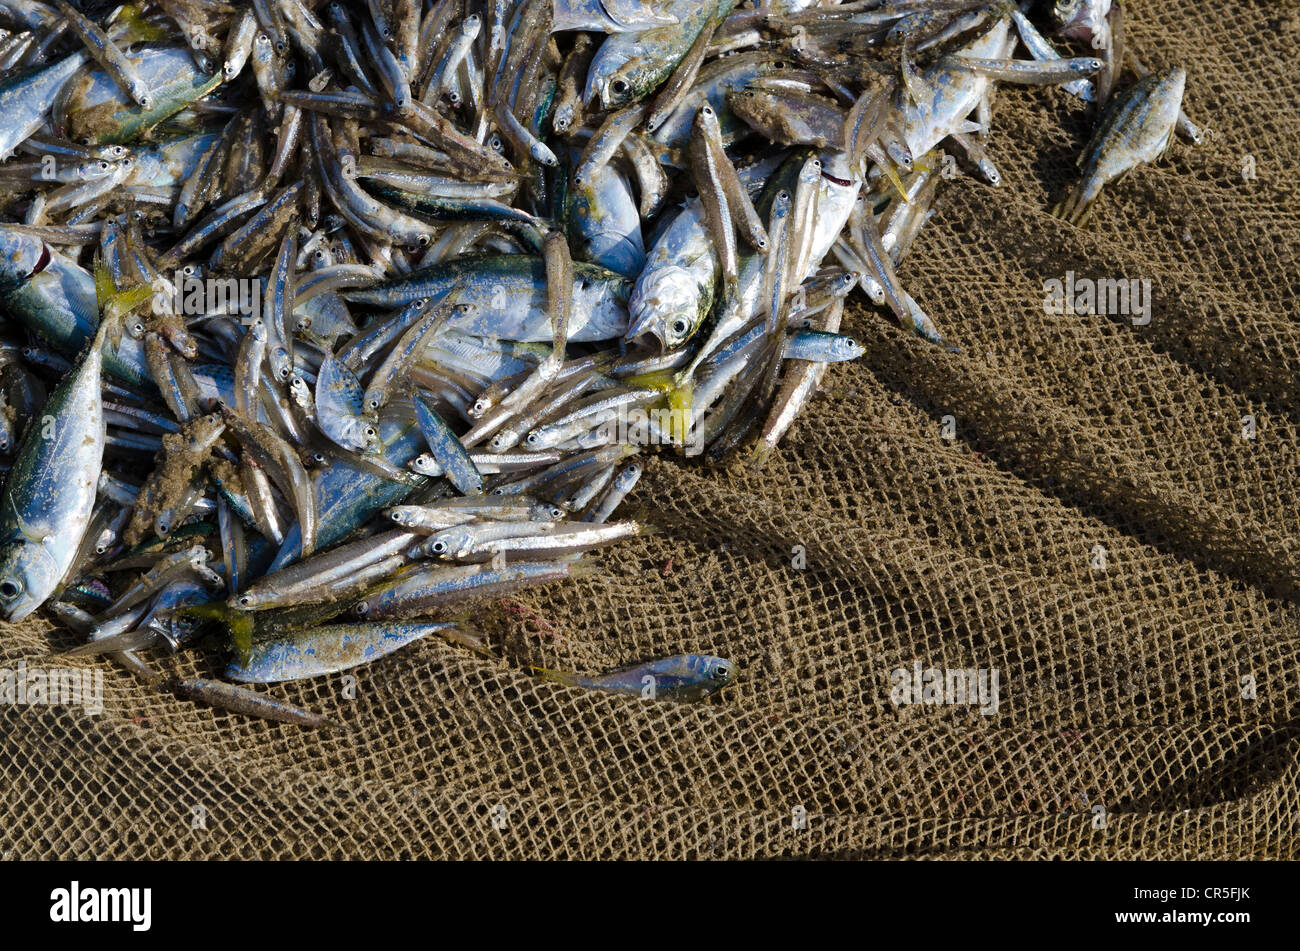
column 556, row 676
column 588, row 568
column 131, row 27
column 1076, row 208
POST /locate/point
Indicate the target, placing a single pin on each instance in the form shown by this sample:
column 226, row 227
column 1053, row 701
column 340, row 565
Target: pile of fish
column 322, row 321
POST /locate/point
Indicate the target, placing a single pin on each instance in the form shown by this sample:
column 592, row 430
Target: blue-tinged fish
column 680, row 677
column 327, row 649
column 50, row 494
column 55, row 298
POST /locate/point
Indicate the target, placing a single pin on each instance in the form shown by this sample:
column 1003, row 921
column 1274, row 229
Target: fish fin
column 104, row 286
column 121, row 303
column 759, row 456
column 466, row 635
column 130, row 27
column 892, row 174
column 556, row 676
column 681, row 400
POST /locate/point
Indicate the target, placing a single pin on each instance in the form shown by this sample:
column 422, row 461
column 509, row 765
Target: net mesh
column 1098, row 531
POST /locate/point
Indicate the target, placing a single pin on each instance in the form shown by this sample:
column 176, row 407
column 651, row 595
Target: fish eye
column 532, row 439
column 619, row 86
column 10, row 588
column 438, row 547
column 370, row 431
column 318, row 458
column 495, row 142
column 163, row 528
column 304, row 322
column 245, row 601
column 557, row 513
column 362, row 609
column 721, row 672
column 680, row 326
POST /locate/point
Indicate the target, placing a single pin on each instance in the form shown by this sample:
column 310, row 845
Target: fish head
column 755, row 109
column 425, row 465
column 27, row 576
column 1082, row 19
column 368, row 437
column 719, row 671
column 611, row 83
column 846, row 348
column 845, row 283
column 281, row 363
column 668, row 305
column 22, row 257
column 447, row 543
column 503, row 440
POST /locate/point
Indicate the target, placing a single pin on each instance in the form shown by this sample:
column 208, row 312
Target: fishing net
column 1101, row 512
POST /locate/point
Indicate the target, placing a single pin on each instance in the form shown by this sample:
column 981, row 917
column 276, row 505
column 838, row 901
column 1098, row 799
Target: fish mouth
column 21, row 608
column 645, row 325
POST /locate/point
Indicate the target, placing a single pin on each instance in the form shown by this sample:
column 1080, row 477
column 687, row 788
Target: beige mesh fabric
column 1123, row 730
